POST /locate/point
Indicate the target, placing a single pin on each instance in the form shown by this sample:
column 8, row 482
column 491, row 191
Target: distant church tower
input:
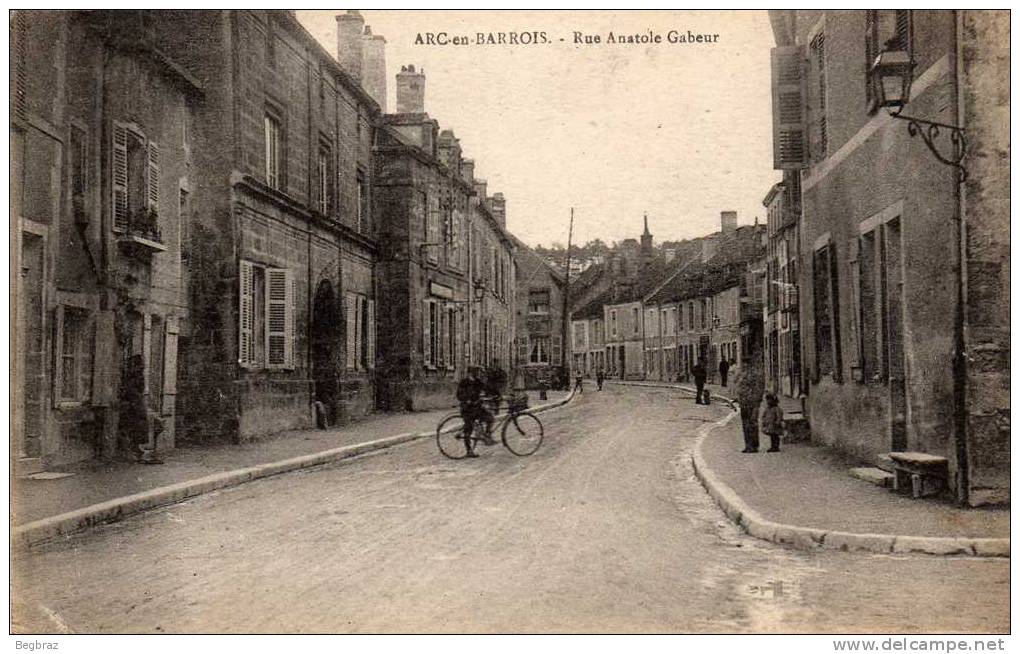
column 646, row 244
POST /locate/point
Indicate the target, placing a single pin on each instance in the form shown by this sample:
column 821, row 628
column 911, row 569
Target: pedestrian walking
column 750, row 386
column 579, row 383
column 772, row 421
column 600, row 376
column 700, row 375
column 724, row 370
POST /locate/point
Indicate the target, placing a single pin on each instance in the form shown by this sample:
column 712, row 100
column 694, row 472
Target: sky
column 681, row 131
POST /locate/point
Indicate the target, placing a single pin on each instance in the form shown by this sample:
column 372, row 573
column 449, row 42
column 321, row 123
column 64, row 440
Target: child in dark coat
column 772, row 421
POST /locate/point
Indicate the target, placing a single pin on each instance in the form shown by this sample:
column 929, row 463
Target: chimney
column 410, row 90
column 729, row 221
column 498, row 207
column 708, row 248
column 374, row 66
column 481, row 186
column 349, row 50
column 449, row 150
column 467, row 171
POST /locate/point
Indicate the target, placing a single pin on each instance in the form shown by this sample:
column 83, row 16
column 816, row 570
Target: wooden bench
column 924, row 474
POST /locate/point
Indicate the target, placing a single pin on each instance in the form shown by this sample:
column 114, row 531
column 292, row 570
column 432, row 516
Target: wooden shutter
column 152, row 175
column 426, row 333
column 169, row 366
column 856, row 331
column 279, row 318
column 351, row 315
column 104, row 362
column 789, row 109
column 245, row 315
column 371, row 334
column 837, row 345
column 556, row 354
column 119, row 179
column 451, row 337
column 147, row 352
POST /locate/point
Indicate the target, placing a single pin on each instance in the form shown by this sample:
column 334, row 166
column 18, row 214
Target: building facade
column 781, row 319
column 281, row 238
column 538, row 338
column 902, row 280
column 99, row 120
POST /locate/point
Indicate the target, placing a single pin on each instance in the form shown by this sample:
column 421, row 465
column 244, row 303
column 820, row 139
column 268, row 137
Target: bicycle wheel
column 450, row 438
column 522, row 433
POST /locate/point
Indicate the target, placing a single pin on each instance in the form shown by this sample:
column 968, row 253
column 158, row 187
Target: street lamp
column 891, row 76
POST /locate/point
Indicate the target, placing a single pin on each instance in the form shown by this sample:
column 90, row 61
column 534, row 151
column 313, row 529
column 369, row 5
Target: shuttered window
column 351, row 329
column 119, row 202
column 266, row 318
column 789, row 109
column 134, row 182
column 828, row 355
column 273, row 138
column 279, row 318
column 821, row 121
column 74, row 336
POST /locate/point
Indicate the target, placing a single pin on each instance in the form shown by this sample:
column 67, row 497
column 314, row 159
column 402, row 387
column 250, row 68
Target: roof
column 523, row 247
column 699, row 280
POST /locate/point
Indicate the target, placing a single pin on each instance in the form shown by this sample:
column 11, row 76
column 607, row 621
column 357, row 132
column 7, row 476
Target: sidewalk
column 808, row 487
column 805, row 496
column 95, row 482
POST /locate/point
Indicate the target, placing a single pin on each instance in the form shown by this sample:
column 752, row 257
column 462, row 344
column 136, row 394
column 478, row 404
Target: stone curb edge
column 64, row 524
column 808, row 538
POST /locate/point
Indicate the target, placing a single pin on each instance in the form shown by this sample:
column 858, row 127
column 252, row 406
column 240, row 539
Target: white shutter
column 119, row 179
column 371, row 334
column 426, row 334
column 279, row 318
column 170, row 366
column 245, row 317
column 789, row 109
column 152, row 174
column 350, row 312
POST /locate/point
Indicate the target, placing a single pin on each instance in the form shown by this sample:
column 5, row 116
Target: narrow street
column 605, row 529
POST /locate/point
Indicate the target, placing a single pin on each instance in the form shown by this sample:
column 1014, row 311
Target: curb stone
column 811, row 538
column 65, row 524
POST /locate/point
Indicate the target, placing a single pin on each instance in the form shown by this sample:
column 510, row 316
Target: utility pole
column 566, row 302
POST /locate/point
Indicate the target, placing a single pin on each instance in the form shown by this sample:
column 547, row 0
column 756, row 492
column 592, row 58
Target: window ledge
column 139, row 244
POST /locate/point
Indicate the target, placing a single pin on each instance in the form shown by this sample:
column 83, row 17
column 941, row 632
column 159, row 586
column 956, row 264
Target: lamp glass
column 891, row 74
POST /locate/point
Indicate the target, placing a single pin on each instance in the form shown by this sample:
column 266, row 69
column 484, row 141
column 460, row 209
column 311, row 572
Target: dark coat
column 699, row 373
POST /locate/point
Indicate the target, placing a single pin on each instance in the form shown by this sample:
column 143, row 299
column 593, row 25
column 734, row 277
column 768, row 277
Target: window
column 635, row 317
column 539, row 351
column 364, row 211
column 867, row 308
column 432, row 226
column 266, row 317
column 690, row 315
column 827, row 328
column 789, row 108
column 453, row 338
column 538, row 301
column 885, row 29
column 612, row 323
column 270, row 43
column 360, row 331
column 439, row 335
column 324, row 175
column 818, row 64
column 273, row 137
column 73, row 356
column 704, row 313
column 135, row 182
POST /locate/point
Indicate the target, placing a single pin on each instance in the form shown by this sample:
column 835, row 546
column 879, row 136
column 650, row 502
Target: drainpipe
column 959, row 327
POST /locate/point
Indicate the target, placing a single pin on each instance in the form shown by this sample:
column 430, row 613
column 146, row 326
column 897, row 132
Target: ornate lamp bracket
column 930, row 131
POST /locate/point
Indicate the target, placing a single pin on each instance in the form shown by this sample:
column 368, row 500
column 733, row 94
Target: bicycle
column 520, row 430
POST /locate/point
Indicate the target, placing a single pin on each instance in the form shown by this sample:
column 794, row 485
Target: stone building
column 100, row 130
column 445, row 260
column 904, row 280
column 280, row 233
column 538, row 338
column 781, row 314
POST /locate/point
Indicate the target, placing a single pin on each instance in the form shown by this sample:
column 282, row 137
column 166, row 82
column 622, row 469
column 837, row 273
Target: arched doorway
column 323, row 340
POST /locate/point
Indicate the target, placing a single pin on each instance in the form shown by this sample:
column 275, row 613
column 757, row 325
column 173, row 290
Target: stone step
column 874, row 476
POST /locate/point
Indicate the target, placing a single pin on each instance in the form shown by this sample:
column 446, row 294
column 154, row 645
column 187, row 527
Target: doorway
column 891, row 266
column 323, row 341
column 31, row 357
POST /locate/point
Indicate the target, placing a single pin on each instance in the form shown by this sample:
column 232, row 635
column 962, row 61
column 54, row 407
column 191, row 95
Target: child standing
column 772, row 421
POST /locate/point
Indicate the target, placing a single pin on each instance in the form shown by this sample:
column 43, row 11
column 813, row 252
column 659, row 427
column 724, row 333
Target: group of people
column 750, row 385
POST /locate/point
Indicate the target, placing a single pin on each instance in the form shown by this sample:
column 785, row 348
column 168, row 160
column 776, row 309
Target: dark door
column 325, row 330
column 31, row 359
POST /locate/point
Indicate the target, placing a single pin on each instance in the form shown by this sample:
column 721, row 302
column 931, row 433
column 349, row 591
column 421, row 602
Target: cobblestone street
column 605, row 529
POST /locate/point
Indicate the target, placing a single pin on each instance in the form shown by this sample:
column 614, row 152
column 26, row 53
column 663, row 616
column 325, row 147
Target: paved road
column 605, row 529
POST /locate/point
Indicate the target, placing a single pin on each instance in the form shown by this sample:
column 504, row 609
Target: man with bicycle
column 472, row 409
